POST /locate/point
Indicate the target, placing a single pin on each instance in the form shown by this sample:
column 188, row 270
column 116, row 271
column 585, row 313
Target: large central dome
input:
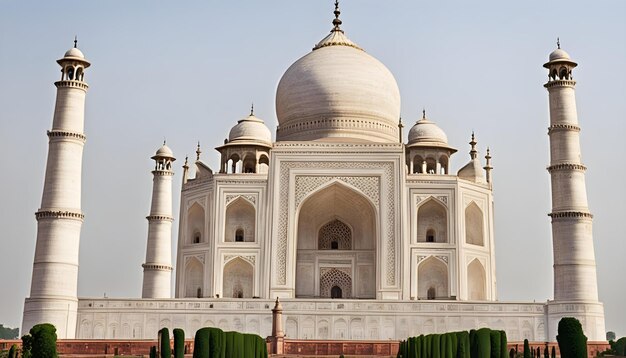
column 338, row 92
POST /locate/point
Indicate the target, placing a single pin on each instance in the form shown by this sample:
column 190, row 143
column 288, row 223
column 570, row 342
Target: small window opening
column 430, row 235
column 199, row 292
column 336, row 292
column 70, row 73
column 334, row 245
column 431, row 293
column 196, row 238
column 239, row 235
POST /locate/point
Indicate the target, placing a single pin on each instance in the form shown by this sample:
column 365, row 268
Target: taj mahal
column 359, row 234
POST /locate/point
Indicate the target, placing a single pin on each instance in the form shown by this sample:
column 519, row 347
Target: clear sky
column 187, row 71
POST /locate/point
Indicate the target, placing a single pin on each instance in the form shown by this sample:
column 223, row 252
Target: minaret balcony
column 560, row 83
column 71, row 83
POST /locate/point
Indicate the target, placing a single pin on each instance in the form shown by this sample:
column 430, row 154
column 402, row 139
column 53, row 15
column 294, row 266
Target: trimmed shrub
column 44, row 343
column 166, row 350
column 483, row 339
column 503, row 343
column 546, row 354
column 179, row 343
column 27, row 345
column 553, row 355
column 526, row 349
column 572, row 341
column 201, row 343
column 494, row 337
column 473, row 344
column 13, row 351
column 619, row 347
column 153, row 353
column 512, row 353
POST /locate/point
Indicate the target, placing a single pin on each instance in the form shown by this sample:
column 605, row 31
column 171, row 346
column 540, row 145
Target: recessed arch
column 476, row 281
column 474, row 222
column 336, row 283
column 240, row 221
column 340, row 206
column 195, row 224
column 432, row 279
column 417, row 164
column 432, row 222
column 238, row 279
column 249, row 163
column 194, row 278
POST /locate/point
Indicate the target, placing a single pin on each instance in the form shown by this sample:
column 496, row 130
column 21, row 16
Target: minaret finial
column 198, row 151
column 558, row 43
column 424, row 113
column 337, row 22
column 252, row 109
column 75, row 41
column 164, row 140
column 488, row 166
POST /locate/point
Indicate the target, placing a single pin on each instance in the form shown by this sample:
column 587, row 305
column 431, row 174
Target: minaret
column 575, row 280
column 157, row 270
column 53, row 293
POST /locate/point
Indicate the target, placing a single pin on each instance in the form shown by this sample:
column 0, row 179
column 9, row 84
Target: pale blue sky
column 189, row 70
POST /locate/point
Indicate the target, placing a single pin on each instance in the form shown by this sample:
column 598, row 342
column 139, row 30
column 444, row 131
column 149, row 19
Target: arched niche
column 338, row 206
column 249, row 163
column 264, row 164
column 240, row 221
column 417, row 164
column 476, row 281
column 432, row 222
column 194, row 278
column 432, row 279
column 474, row 225
column 238, row 279
column 195, row 224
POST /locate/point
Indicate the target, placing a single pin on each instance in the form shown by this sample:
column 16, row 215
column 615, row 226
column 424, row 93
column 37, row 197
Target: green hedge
column 215, row 343
column 572, row 341
column 484, row 343
column 526, row 349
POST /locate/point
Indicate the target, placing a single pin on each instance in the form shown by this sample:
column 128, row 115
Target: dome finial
column 75, row 41
column 252, row 110
column 424, row 113
column 198, row 151
column 558, row 43
column 337, row 21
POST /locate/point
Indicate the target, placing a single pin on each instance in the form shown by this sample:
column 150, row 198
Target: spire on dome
column 337, row 22
column 252, row 109
column 75, row 41
column 198, row 151
column 488, row 166
column 558, row 43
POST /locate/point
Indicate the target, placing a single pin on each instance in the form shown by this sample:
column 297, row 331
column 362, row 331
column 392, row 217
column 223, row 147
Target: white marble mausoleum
column 360, row 234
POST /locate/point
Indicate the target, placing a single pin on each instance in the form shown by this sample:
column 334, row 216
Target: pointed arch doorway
column 336, row 244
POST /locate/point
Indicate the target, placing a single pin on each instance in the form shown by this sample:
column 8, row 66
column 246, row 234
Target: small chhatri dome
column 164, row 152
column 250, row 130
column 74, row 52
column 426, row 132
column 338, row 92
column 559, row 54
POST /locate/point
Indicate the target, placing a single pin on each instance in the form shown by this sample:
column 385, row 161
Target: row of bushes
column 482, row 343
column 212, row 343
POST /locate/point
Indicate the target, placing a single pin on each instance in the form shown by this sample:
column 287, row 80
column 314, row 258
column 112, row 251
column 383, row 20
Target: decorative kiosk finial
column 423, row 113
column 75, row 41
column 198, row 151
column 558, row 43
column 400, row 132
column 252, row 109
column 336, row 21
column 473, row 152
column 488, row 166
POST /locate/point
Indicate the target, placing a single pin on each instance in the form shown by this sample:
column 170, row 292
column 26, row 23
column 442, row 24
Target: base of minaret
column 61, row 312
column 590, row 315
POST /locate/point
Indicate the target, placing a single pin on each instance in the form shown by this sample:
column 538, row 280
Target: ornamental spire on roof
column 337, row 22
column 336, row 36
